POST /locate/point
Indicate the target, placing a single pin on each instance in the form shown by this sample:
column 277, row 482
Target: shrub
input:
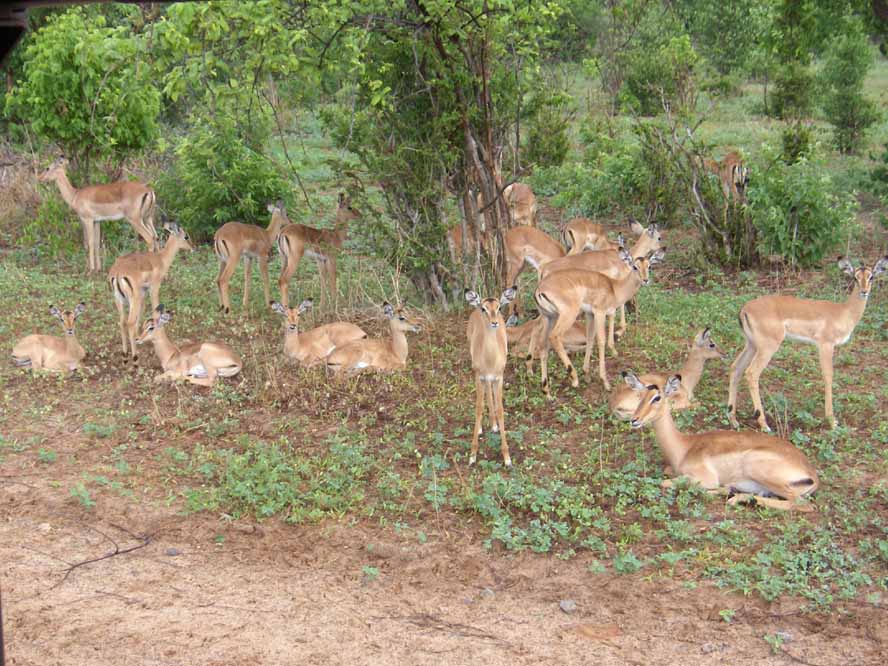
column 658, row 74
column 793, row 91
column 798, row 140
column 547, row 138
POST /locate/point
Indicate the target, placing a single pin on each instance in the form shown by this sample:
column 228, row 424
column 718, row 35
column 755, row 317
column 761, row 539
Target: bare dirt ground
column 207, row 591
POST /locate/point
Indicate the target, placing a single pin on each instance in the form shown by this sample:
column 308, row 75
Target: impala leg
column 86, row 225
column 122, row 314
column 737, row 368
column 210, row 379
column 599, row 335
column 289, row 264
column 132, row 325
column 248, row 274
column 223, row 281
column 263, row 271
column 479, row 413
column 331, row 279
column 610, row 334
column 771, row 502
column 154, row 290
column 587, row 358
column 97, row 246
column 514, row 266
column 622, row 330
column 826, row 365
column 753, row 372
column 491, row 412
column 532, row 345
column 501, row 419
column 556, row 332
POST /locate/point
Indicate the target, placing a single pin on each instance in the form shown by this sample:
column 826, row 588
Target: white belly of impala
column 800, row 338
column 752, row 487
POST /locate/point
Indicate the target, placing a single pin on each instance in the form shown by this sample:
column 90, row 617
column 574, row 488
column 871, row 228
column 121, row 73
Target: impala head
column 292, row 314
column 159, row 318
column 490, row 307
column 178, row 236
column 344, row 211
column 707, row 348
column 642, row 265
column 621, row 239
column 740, row 177
column 512, row 321
column 67, row 317
column 400, row 319
column 649, row 239
column 653, row 399
column 54, row 169
column 864, row 276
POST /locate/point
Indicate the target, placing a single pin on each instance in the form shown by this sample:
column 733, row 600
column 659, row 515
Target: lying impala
column 767, row 320
column 139, row 273
column 375, row 353
column 763, row 468
column 236, row 239
column 312, row 347
column 123, row 200
column 198, row 363
column 50, row 352
column 296, row 240
column 488, row 347
column 519, row 335
column 624, row 400
column 564, row 294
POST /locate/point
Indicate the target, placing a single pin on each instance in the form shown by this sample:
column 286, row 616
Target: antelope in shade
column 564, row 294
column 296, row 240
column 312, row 347
column 768, row 320
column 489, row 347
column 199, row 363
column 123, row 200
column 624, row 400
column 235, row 239
column 139, row 273
column 522, row 204
column 377, row 354
column 50, row 352
column 763, row 468
column 519, row 335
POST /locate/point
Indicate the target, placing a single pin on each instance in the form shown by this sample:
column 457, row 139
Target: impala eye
column 712, row 345
column 656, row 398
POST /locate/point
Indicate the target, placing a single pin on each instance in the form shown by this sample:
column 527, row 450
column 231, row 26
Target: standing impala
column 525, row 246
column 314, row 346
column 139, row 273
column 761, row 467
column 50, row 352
column 767, row 320
column 563, row 295
column 123, row 200
column 377, row 354
column 581, row 234
column 489, row 348
column 295, row 240
column 234, row 239
column 522, row 204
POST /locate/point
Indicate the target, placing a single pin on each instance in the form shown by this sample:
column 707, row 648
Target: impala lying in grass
column 51, row 352
column 377, row 354
column 315, row 345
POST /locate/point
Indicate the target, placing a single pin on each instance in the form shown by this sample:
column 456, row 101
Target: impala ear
column 164, row 318
column 512, row 321
column 79, row 309
column 703, row 337
column 632, row 381
column 672, row 385
column 881, row 266
column 635, row 227
column 508, row 295
column 388, row 310
column 656, row 257
column 847, row 267
column 55, row 312
column 305, row 305
column 625, row 257
column 472, row 298
column 277, row 307
column 621, row 239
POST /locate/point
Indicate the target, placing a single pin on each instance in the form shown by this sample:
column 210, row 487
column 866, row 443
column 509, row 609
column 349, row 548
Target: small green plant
column 370, row 573
column 727, row 615
column 627, row 563
column 775, row 641
column 47, row 456
column 81, row 494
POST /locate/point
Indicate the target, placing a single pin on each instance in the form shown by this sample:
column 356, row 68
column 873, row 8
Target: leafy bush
column 794, row 91
column 54, row 231
column 547, row 141
column 798, row 140
column 658, row 74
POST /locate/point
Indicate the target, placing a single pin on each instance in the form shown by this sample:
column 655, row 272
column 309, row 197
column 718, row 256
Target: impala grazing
column 123, row 200
column 235, row 239
column 624, row 400
column 198, row 363
column 522, row 204
column 488, row 347
column 563, row 295
column 296, row 240
column 767, row 320
column 139, row 273
column 312, row 347
column 760, row 467
column 377, row 354
column 51, row 352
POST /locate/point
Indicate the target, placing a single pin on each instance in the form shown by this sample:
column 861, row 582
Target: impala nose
column 635, row 423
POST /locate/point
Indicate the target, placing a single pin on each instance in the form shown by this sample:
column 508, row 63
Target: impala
column 732, row 174
column 763, row 468
column 198, row 363
column 314, row 346
column 528, row 246
column 234, row 239
column 522, row 204
column 519, row 335
column 139, row 273
column 50, row 352
column 377, row 354
column 563, row 295
column 767, row 320
column 123, row 200
column 488, row 347
column 295, row 240
column 581, row 234
column 624, row 400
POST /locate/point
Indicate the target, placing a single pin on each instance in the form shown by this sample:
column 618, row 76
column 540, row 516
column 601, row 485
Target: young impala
column 50, row 352
column 519, row 335
column 377, row 354
column 296, row 240
column 123, row 200
column 767, row 469
column 312, row 347
column 198, row 363
column 234, row 239
column 624, row 400
column 563, row 295
column 489, row 348
column 767, row 320
column 139, row 273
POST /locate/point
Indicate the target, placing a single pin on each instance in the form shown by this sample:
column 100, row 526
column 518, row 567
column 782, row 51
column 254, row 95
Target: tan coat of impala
column 732, row 173
column 767, row 469
column 315, row 345
column 51, row 352
column 199, row 363
column 296, row 240
column 377, row 354
column 139, row 273
column 522, row 204
column 768, row 320
column 624, row 400
column 562, row 296
column 236, row 239
column 581, row 234
column 489, row 349
column 123, row 200
column 519, row 335
column 528, row 246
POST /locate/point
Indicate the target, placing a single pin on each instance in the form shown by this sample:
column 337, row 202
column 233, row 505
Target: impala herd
column 587, row 273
